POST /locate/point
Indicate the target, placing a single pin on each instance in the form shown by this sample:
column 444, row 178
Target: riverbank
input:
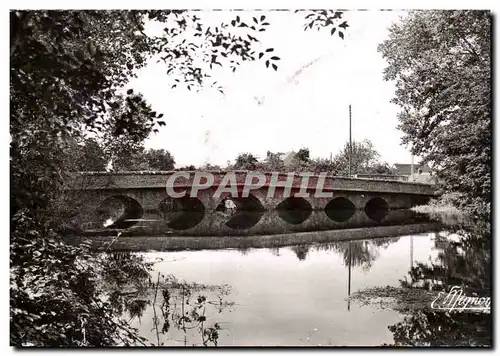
column 438, row 209
column 442, row 211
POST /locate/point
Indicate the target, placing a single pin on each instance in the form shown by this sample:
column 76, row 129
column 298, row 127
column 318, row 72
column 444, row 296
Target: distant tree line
column 364, row 160
column 91, row 156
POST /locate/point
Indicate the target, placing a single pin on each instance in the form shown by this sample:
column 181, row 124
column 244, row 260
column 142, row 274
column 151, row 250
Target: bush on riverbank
column 450, row 209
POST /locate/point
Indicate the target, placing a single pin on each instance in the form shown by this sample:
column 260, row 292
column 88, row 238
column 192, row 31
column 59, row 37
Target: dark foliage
column 68, row 76
column 440, row 61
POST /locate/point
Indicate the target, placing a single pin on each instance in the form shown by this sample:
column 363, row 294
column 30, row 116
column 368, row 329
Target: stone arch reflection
column 294, row 210
column 376, row 209
column 182, row 213
column 243, row 213
column 340, row 209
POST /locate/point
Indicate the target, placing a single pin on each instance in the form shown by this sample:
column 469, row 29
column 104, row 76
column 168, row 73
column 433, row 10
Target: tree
column 382, row 168
column 246, row 161
column 160, row 160
column 188, row 168
column 300, row 162
column 211, row 167
column 440, row 61
column 364, row 158
column 86, row 155
column 129, row 158
column 303, row 154
column 273, row 162
column 464, row 262
column 66, row 70
column 319, row 165
column 68, row 77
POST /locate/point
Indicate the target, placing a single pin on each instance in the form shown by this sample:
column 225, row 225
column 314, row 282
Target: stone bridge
column 123, row 200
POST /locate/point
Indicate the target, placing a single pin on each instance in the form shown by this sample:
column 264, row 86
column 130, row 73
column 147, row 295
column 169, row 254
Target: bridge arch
column 294, row 210
column 182, row 213
column 119, row 212
column 243, row 212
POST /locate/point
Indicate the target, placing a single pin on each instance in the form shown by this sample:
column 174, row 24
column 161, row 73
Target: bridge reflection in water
column 234, row 217
column 138, row 204
column 186, row 223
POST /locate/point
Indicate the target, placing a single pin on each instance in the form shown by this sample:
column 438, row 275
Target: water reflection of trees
column 301, row 251
column 437, row 328
column 363, row 253
column 179, row 308
column 464, row 262
column 125, row 279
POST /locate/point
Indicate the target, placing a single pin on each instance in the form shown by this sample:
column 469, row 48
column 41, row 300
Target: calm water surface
column 295, row 295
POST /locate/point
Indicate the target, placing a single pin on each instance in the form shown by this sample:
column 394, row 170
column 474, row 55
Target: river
column 335, row 293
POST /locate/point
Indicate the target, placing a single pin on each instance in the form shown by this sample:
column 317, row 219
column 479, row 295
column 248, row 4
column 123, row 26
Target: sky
column 262, row 109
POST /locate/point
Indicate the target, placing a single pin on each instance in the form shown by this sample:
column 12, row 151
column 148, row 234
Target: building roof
column 289, row 157
column 405, row 168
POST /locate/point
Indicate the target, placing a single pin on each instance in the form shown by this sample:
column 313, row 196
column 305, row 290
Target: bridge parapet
column 148, row 180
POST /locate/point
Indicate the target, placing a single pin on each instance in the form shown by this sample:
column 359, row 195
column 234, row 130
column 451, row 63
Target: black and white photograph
column 248, row 177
